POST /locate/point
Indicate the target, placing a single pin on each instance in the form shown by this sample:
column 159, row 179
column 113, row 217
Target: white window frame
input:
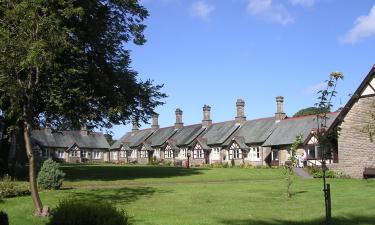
column 74, row 153
column 97, row 155
column 122, row 154
column 272, row 155
column 84, row 154
column 60, row 154
column 144, row 154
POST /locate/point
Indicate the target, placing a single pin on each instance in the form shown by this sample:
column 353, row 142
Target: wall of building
column 355, row 150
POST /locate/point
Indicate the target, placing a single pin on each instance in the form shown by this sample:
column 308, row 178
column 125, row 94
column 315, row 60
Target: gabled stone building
column 70, row 146
column 264, row 141
column 356, row 150
column 284, row 134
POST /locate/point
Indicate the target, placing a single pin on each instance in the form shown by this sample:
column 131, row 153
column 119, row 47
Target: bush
column 3, row 218
column 87, row 212
column 10, row 188
column 50, row 175
column 317, row 172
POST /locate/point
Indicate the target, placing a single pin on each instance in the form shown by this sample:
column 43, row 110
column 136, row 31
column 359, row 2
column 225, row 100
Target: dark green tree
column 309, row 111
column 109, row 138
column 64, row 62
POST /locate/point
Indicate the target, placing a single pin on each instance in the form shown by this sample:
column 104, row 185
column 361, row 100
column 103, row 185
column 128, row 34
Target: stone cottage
column 356, row 147
column 70, row 146
column 264, row 141
column 284, row 134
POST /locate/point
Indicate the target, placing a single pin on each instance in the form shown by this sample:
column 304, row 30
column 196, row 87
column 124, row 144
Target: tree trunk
column 32, row 176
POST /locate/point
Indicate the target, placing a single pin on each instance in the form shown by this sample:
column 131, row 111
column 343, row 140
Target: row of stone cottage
column 264, row 141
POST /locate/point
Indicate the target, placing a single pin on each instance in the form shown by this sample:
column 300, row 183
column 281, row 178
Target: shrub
column 317, row 172
column 3, row 218
column 50, row 175
column 10, row 188
column 87, row 212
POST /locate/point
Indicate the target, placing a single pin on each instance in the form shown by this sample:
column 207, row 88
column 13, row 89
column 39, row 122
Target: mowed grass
column 167, row 195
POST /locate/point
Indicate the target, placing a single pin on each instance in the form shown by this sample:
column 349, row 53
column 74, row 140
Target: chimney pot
column 240, row 105
column 135, row 125
column 206, row 116
column 179, row 124
column 280, row 115
column 155, row 121
column 84, row 130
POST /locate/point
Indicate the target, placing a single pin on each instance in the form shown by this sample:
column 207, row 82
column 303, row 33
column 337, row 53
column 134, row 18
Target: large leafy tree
column 309, row 111
column 64, row 62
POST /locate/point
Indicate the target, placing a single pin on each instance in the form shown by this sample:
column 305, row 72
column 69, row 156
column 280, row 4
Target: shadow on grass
column 126, row 195
column 115, row 172
column 349, row 220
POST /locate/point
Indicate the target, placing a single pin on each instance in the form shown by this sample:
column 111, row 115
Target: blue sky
column 215, row 51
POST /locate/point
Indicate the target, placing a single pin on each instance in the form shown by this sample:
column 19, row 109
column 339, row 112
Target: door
column 207, row 157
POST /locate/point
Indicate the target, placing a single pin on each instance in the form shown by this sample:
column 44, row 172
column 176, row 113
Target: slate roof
column 218, row 133
column 286, row 130
column 187, row 134
column 160, row 136
column 66, row 139
column 254, row 131
column 133, row 139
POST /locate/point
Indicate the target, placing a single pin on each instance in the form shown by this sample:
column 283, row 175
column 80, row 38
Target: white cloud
column 304, row 3
column 270, row 11
column 313, row 89
column 202, row 9
column 364, row 27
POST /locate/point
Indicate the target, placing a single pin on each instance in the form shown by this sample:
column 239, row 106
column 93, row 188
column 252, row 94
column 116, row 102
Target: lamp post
column 188, row 161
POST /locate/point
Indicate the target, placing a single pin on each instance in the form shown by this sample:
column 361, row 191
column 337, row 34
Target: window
column 311, row 152
column 84, row 154
column 235, row 154
column 198, row 154
column 74, row 153
column 144, row 154
column 122, row 154
column 168, row 154
column 60, row 154
column 115, row 155
column 97, row 155
column 275, row 154
column 129, row 153
column 255, row 153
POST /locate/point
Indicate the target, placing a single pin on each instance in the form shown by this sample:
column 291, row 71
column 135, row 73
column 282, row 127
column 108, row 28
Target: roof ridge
column 307, row 116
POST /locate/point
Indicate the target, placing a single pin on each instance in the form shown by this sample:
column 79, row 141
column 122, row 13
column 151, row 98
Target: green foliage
column 87, row 212
column 109, row 139
column 292, row 162
column 50, row 175
column 369, row 127
column 317, row 172
column 3, row 218
column 67, row 63
column 309, row 111
column 10, row 188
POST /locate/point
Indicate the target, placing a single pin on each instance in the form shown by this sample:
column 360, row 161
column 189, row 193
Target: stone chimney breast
column 179, row 124
column 280, row 115
column 240, row 105
column 155, row 121
column 206, row 116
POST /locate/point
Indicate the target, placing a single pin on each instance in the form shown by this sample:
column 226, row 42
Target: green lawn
column 166, row 195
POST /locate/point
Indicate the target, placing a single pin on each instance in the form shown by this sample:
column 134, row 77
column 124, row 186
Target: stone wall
column 355, row 151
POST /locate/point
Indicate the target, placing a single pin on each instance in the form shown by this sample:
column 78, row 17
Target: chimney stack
column 84, row 130
column 155, row 121
column 135, row 125
column 179, row 124
column 206, row 122
column 280, row 115
column 240, row 105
